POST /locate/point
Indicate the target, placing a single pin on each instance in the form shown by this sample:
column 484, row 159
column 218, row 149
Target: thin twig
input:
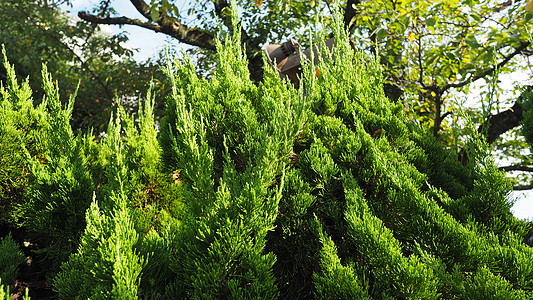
column 522, row 187
column 517, row 168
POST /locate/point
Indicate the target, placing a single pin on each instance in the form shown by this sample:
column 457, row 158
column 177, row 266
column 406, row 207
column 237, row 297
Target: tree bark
column 498, row 124
column 349, row 14
column 517, row 168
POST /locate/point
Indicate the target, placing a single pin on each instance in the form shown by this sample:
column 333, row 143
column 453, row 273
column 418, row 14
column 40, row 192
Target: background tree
column 432, row 52
column 76, row 52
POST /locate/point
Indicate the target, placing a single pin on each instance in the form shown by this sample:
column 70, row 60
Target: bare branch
column 173, row 28
column 499, row 123
column 522, row 187
column 349, row 14
column 517, row 168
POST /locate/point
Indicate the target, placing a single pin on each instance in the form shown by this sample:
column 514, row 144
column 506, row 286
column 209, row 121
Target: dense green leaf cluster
column 263, row 192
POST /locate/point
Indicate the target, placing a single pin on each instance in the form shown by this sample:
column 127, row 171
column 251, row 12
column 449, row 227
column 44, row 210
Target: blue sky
column 149, row 43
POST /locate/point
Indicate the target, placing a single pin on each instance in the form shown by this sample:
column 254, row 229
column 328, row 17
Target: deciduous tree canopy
column 78, row 53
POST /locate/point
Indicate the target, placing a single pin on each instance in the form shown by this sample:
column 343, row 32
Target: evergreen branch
column 517, row 168
column 166, row 25
column 222, row 8
column 253, row 50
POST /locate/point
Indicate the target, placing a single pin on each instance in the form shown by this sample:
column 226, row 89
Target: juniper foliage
column 229, row 141
column 21, row 138
column 107, row 264
column 368, row 206
column 117, row 246
column 10, row 259
column 62, row 187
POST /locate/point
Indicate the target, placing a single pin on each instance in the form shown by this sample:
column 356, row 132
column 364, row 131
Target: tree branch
column 173, row 28
column 517, row 168
column 499, row 123
column 102, row 12
column 518, row 50
column 349, row 14
column 191, row 36
column 522, row 187
column 142, row 8
column 502, row 122
column 503, row 6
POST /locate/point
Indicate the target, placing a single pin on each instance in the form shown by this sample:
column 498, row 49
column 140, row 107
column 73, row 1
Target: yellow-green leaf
column 431, row 22
column 154, row 14
column 411, row 37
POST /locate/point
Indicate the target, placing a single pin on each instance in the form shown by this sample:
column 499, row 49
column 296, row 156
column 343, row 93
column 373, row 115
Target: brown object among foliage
column 286, row 58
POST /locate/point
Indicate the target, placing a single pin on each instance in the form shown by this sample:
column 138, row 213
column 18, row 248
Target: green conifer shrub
column 122, row 253
column 21, row 139
column 107, row 264
column 229, row 140
column 268, row 192
column 62, row 173
column 10, row 259
column 369, row 202
column 62, row 188
column 45, row 185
